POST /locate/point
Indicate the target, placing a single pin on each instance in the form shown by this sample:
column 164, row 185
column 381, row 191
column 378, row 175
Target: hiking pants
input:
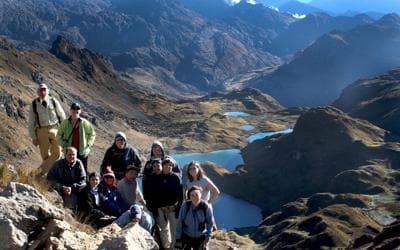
column 189, row 243
column 49, row 148
column 166, row 221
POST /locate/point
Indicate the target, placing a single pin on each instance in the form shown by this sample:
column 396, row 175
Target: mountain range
column 317, row 75
column 174, row 48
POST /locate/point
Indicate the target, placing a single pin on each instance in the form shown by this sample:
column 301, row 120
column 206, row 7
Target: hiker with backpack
column 77, row 132
column 45, row 115
column 196, row 176
column 193, row 230
column 119, row 156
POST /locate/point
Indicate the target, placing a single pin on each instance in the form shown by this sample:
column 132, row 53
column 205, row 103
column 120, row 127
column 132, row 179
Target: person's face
column 94, row 181
column 157, row 151
column 109, row 180
column 43, row 93
column 120, row 142
column 157, row 169
column 131, row 175
column 71, row 156
column 195, row 197
column 194, row 171
column 75, row 112
column 167, row 168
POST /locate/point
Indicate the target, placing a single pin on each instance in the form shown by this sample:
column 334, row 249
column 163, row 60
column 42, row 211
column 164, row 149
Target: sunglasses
column 75, row 108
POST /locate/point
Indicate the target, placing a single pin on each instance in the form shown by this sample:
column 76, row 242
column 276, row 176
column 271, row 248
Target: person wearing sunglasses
column 77, row 132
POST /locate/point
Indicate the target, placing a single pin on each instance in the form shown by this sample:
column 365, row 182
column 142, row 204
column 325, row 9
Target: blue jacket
column 113, row 202
column 195, row 221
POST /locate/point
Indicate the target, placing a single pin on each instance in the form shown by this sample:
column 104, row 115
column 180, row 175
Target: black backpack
column 202, row 207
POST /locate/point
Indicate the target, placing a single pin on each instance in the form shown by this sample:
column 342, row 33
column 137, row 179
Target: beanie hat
column 108, row 172
column 119, row 135
column 135, row 212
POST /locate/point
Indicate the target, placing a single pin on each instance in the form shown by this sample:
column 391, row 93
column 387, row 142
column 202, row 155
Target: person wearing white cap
column 44, row 116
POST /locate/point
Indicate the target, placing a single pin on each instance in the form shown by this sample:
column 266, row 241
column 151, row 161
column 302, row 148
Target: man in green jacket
column 77, row 132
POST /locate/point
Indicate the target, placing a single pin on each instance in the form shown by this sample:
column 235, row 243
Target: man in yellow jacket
column 77, row 132
column 44, row 116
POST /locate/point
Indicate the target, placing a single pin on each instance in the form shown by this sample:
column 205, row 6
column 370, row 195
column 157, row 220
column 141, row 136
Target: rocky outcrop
column 322, row 220
column 128, row 239
column 30, row 221
column 375, row 99
column 24, row 211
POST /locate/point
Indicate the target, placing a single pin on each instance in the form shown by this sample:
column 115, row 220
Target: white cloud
column 298, row 16
column 233, row 2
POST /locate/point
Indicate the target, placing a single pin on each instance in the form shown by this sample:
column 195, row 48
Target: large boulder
column 131, row 237
column 26, row 208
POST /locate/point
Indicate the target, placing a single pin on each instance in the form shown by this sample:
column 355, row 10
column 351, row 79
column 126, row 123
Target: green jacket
column 86, row 135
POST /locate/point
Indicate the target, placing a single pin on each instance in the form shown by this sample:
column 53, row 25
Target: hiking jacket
column 86, row 135
column 114, row 204
column 119, row 159
column 87, row 203
column 170, row 192
column 195, row 221
column 48, row 115
column 63, row 175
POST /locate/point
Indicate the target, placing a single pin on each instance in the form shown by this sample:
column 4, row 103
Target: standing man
column 44, row 116
column 78, row 133
column 68, row 176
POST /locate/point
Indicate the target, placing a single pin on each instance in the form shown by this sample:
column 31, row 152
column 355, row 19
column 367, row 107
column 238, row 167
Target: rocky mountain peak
column 64, row 49
column 333, row 124
column 390, row 20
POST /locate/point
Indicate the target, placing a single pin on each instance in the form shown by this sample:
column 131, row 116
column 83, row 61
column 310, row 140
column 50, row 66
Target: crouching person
column 195, row 222
column 68, row 176
column 91, row 204
column 136, row 214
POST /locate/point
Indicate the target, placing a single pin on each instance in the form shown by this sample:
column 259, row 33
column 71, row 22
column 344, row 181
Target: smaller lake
column 236, row 113
column 267, row 134
column 247, row 127
column 228, row 158
column 232, row 212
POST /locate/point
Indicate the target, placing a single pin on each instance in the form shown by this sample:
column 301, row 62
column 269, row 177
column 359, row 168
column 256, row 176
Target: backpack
column 202, row 207
column 37, row 114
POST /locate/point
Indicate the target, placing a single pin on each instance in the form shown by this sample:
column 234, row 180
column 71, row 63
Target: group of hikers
column 175, row 207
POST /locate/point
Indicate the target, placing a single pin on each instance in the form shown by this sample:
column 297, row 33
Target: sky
column 254, row 1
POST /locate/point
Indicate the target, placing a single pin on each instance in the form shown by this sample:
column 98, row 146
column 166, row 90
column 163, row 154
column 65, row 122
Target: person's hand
column 35, row 142
column 67, row 190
